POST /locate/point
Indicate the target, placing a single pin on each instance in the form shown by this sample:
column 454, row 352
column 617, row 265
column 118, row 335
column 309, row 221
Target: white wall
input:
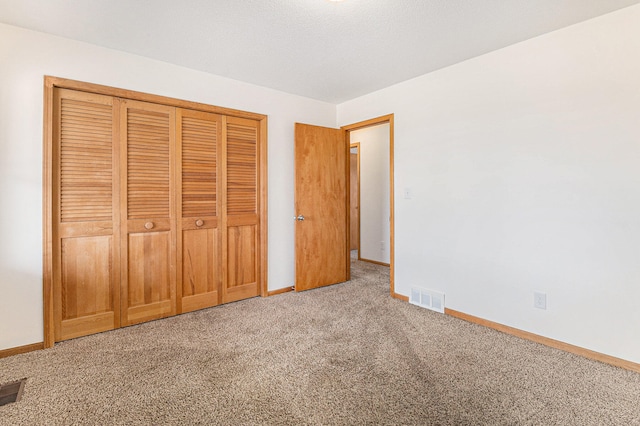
column 525, row 170
column 25, row 57
column 374, row 191
column 524, row 166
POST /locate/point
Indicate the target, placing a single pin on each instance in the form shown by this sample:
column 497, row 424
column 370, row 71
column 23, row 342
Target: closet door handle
column 199, row 222
column 149, row 225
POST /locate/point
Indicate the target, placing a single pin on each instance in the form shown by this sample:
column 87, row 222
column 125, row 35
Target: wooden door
column 148, row 255
column 85, row 214
column 199, row 259
column 240, row 239
column 354, row 201
column 321, row 167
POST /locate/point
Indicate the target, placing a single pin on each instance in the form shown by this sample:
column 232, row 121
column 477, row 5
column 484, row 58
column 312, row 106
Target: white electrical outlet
column 381, row 245
column 539, row 300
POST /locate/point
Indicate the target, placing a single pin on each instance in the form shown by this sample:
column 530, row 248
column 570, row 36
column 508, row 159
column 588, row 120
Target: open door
column 321, row 203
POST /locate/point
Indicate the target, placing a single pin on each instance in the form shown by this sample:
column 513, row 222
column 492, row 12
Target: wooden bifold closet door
column 240, row 210
column 86, row 209
column 200, row 275
column 148, row 213
column 155, row 211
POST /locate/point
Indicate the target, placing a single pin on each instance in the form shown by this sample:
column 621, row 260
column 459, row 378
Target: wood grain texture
column 86, row 161
column 577, row 350
column 321, row 167
column 241, row 247
column 400, row 297
column 198, row 147
column 376, row 262
column 392, row 252
column 242, row 166
column 147, row 97
column 199, row 137
column 354, row 198
column 84, row 206
column 241, row 223
column 4, row 353
column 280, row 291
column 148, row 164
column 149, row 275
column 148, row 214
column 162, row 172
column 47, row 216
column 263, row 219
column 88, row 324
column 198, row 268
column 368, row 123
column 86, row 276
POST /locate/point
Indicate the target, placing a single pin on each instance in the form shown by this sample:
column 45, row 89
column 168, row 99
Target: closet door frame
column 50, row 84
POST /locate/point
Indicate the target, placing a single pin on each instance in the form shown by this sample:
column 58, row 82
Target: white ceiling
column 315, row 48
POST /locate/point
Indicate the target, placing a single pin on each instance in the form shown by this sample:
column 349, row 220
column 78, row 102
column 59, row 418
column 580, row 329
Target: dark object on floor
column 11, row 392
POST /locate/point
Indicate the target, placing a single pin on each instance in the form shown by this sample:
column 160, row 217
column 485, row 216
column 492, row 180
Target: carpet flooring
column 341, row 355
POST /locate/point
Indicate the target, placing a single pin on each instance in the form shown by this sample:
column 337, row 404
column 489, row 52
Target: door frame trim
column 361, row 125
column 50, row 84
column 357, row 146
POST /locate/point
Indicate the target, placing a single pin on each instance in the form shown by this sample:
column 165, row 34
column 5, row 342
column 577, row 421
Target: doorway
column 371, row 142
column 369, row 192
column 322, row 204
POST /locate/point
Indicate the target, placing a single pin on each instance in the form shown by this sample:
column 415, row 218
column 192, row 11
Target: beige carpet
column 342, row 355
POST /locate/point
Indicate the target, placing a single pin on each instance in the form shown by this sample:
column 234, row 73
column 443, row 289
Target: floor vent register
column 430, row 299
column 11, row 392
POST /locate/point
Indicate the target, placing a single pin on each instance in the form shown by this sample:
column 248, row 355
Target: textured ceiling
column 314, row 48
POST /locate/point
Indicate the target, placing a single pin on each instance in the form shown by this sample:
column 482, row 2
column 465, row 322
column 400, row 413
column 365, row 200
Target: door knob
column 149, row 225
column 199, row 222
column 300, row 218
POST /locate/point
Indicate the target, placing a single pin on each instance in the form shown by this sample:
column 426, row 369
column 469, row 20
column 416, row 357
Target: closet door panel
column 149, row 276
column 85, row 214
column 86, row 260
column 200, row 269
column 241, row 243
column 198, row 145
column 86, row 286
column 242, row 279
column 148, row 218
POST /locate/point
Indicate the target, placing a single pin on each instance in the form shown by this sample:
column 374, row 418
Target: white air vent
column 429, row 299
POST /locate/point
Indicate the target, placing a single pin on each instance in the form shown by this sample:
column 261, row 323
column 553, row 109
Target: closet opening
column 153, row 207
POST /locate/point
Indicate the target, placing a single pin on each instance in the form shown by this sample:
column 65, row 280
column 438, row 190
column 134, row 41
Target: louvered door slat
column 148, row 133
column 241, row 168
column 86, row 161
column 199, row 153
column 85, row 268
column 148, row 182
column 241, row 213
column 200, row 263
